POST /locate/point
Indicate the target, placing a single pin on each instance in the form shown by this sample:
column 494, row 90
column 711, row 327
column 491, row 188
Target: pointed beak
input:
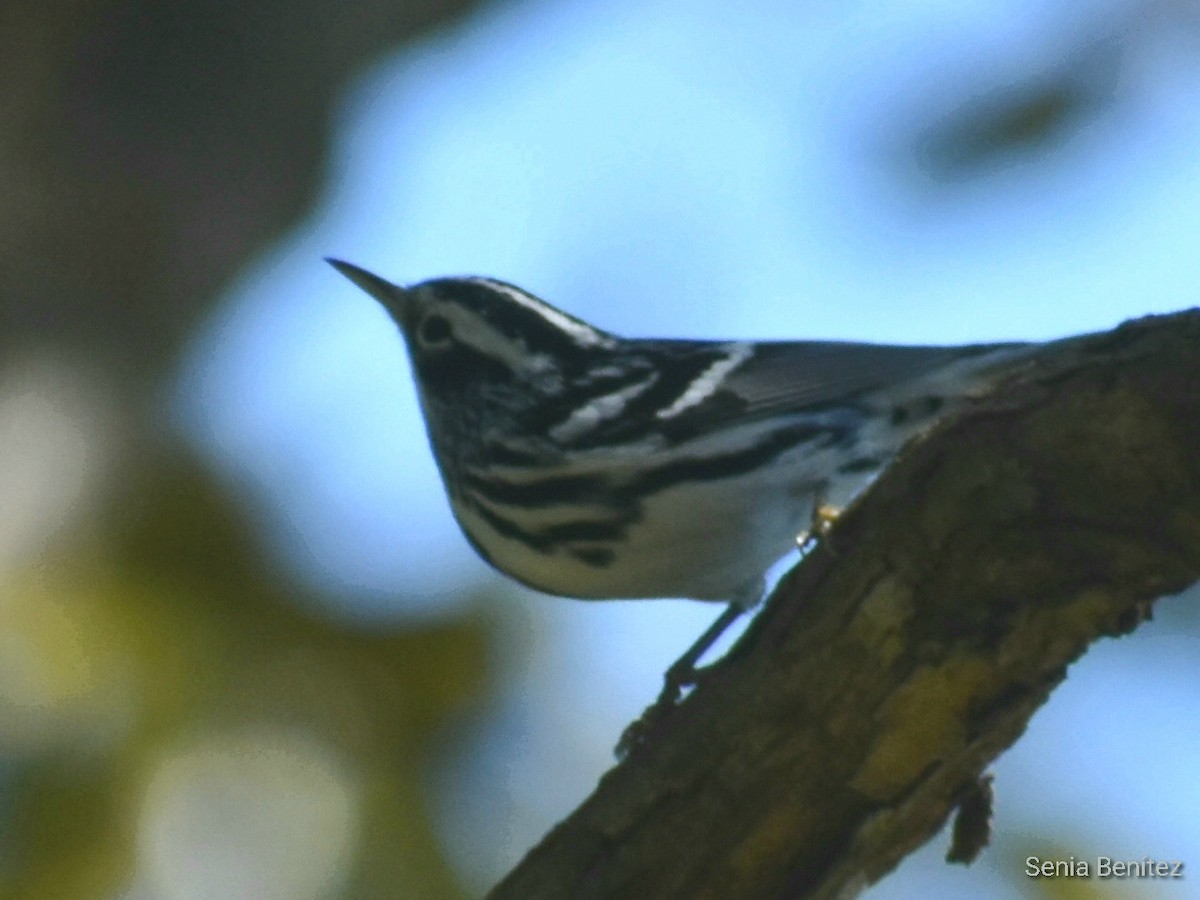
column 392, row 296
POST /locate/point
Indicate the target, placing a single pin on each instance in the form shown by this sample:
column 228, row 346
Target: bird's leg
column 824, row 514
column 683, row 671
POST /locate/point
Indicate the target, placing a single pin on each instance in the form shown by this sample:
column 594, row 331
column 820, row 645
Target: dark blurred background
column 243, row 650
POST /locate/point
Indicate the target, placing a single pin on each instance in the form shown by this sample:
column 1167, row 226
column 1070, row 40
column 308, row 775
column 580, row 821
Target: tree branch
column 896, row 662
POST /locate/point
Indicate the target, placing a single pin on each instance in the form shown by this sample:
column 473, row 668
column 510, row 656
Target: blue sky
column 699, row 170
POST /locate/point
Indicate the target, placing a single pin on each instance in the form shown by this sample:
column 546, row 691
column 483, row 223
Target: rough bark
column 902, row 657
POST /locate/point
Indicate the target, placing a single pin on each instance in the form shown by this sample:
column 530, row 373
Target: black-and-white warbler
column 589, row 465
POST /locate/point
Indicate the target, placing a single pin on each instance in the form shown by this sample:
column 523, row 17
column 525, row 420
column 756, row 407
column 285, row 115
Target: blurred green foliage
column 166, row 624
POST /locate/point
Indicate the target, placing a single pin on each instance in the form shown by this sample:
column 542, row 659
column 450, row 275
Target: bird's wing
column 782, row 377
column 752, row 382
column 677, row 391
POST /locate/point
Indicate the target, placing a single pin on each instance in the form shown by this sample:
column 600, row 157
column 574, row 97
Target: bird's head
column 483, row 343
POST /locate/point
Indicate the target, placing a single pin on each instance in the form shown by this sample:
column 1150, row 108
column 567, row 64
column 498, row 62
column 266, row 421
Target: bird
column 588, row 465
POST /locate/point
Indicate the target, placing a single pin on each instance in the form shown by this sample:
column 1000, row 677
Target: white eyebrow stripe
column 708, row 381
column 582, row 333
column 601, row 409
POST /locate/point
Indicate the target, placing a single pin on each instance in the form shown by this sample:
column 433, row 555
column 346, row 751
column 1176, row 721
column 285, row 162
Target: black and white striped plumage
column 589, row 465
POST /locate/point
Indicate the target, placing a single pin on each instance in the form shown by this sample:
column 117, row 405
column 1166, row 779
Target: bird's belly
column 705, row 541
column 708, row 544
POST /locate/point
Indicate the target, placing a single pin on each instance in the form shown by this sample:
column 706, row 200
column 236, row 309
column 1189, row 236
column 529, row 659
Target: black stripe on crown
column 533, row 325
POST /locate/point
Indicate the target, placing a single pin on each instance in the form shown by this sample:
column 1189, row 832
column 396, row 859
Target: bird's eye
column 434, row 329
